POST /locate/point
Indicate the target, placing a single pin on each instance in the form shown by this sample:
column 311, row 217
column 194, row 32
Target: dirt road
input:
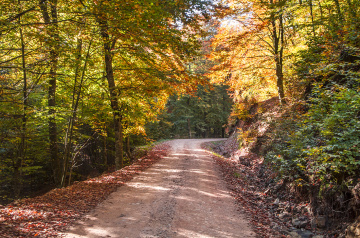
column 181, row 196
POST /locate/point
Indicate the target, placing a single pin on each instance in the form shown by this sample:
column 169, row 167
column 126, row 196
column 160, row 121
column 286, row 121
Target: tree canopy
column 77, row 78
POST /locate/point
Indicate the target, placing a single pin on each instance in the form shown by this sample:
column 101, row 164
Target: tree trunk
column 312, row 17
column 279, row 65
column 188, row 119
column 118, row 141
column 74, row 107
column 352, row 11
column 339, row 13
column 52, row 31
column 17, row 175
column 113, row 93
column 71, row 120
column 189, row 127
column 278, row 44
column 105, row 155
column 321, row 11
column 128, row 149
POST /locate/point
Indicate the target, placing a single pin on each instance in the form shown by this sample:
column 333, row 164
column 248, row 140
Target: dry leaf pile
column 53, row 212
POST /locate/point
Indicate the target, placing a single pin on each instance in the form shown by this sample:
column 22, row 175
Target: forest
column 84, row 83
column 80, row 81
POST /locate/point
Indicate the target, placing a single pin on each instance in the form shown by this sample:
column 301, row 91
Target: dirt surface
column 181, row 196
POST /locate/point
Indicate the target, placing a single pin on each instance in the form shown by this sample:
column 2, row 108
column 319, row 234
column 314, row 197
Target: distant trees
column 199, row 114
column 202, row 115
column 78, row 74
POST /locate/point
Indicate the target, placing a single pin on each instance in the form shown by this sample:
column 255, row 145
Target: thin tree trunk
column 312, row 17
column 321, row 18
column 279, row 67
column 339, row 13
column 113, row 92
column 121, row 147
column 189, row 127
column 105, row 151
column 352, row 10
column 128, row 151
column 188, row 119
column 118, row 141
column 75, row 104
column 52, row 31
column 224, row 109
column 69, row 130
column 17, row 176
column 278, row 43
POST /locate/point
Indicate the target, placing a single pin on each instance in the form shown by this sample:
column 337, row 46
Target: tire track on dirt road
column 181, row 196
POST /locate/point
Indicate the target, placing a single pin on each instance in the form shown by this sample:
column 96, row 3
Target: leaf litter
column 52, row 213
column 270, row 208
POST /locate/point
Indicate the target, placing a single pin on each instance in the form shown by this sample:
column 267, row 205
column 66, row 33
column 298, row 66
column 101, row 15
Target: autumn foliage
column 79, row 81
column 312, row 143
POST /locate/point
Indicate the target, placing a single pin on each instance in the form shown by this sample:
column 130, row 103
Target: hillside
column 276, row 204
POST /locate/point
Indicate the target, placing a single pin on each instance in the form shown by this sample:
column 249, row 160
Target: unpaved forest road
column 183, row 195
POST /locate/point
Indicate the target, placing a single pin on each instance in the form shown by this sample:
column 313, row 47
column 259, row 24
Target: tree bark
column 352, row 10
column 312, row 17
column 189, row 127
column 74, row 107
column 339, row 13
column 71, row 120
column 321, row 11
column 188, row 119
column 52, row 31
column 17, row 175
column 105, row 151
column 107, row 45
column 278, row 43
column 128, row 149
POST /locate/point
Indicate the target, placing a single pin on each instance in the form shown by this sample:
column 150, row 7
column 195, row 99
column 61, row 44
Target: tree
column 50, row 18
column 84, row 66
column 317, row 154
column 250, row 49
column 203, row 114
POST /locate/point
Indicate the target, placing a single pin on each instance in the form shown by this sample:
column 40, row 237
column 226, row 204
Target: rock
column 321, row 221
column 284, row 216
column 294, row 234
column 275, row 226
column 244, row 161
column 276, row 202
column 300, row 234
column 353, row 230
column 295, row 210
column 300, row 222
column 318, row 236
column 306, row 234
column 287, row 208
